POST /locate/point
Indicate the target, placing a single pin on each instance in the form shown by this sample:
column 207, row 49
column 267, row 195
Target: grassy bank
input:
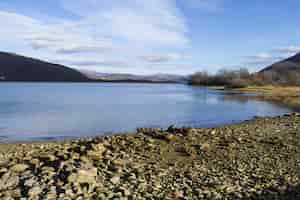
column 289, row 96
column 286, row 95
column 256, row 159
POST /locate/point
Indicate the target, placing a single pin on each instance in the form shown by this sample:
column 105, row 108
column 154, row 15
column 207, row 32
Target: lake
column 41, row 111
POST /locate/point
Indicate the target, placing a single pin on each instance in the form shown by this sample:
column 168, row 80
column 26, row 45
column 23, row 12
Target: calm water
column 32, row 111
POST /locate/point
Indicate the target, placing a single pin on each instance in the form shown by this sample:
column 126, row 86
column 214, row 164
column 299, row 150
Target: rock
column 34, row 162
column 205, row 146
column 118, row 162
column 184, row 150
column 48, row 169
column 115, row 180
column 47, row 157
column 169, row 137
column 51, row 194
column 188, row 131
column 3, row 170
column 94, row 155
column 125, row 192
column 34, row 192
column 235, row 163
column 84, row 176
column 8, row 181
column 19, row 168
column 100, row 148
column 30, row 182
column 171, row 128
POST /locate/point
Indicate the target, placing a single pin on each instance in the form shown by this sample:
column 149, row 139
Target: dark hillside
column 19, row 68
column 291, row 64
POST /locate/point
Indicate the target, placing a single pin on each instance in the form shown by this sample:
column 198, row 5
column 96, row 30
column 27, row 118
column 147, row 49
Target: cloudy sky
column 152, row 36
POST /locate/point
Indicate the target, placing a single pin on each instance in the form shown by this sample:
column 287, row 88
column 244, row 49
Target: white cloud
column 270, row 57
column 83, row 63
column 274, row 55
column 84, row 48
column 117, row 30
column 262, row 56
column 261, row 59
column 293, row 49
column 163, row 58
column 155, row 22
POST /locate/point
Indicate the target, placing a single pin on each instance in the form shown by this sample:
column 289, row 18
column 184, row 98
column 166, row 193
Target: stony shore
column 255, row 159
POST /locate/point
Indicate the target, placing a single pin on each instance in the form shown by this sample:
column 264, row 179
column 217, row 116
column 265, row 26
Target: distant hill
column 291, row 64
column 19, row 68
column 118, row 77
column 15, row 67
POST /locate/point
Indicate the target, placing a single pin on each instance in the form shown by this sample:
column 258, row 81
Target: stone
column 47, row 157
column 8, row 181
column 34, row 161
column 99, row 148
column 34, row 192
column 125, row 192
column 205, row 146
column 118, row 162
column 115, row 180
column 19, row 168
column 169, row 137
column 48, row 169
column 171, row 128
column 94, row 155
column 3, row 170
column 30, row 182
column 84, row 176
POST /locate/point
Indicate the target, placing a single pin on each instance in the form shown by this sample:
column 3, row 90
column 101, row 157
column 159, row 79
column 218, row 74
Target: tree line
column 242, row 78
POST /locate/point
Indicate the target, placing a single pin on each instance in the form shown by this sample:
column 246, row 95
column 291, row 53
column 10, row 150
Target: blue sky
column 152, row 36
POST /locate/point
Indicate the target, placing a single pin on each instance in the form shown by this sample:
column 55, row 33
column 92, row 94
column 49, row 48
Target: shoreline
column 288, row 96
column 253, row 159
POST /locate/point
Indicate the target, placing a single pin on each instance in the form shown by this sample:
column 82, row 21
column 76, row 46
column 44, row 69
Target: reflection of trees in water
column 238, row 98
column 244, row 98
column 209, row 96
column 205, row 95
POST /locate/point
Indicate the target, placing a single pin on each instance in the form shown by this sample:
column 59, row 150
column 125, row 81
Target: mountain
column 291, row 64
column 118, row 77
column 14, row 67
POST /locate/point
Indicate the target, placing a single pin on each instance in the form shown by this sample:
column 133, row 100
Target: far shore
column 289, row 95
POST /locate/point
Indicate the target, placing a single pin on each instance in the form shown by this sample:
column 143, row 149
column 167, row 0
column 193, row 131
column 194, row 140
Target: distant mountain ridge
column 291, row 64
column 119, row 77
column 15, row 67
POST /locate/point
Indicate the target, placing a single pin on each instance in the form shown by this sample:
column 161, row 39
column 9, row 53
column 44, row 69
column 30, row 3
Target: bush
column 237, row 83
column 222, row 78
column 242, row 78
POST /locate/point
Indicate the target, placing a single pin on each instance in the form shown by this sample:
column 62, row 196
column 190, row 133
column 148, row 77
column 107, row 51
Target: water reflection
column 47, row 111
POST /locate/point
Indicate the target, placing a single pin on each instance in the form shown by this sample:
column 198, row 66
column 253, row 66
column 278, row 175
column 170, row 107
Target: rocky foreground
column 256, row 159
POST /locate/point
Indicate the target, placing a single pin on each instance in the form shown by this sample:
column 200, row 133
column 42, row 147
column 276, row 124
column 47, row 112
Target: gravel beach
column 255, row 159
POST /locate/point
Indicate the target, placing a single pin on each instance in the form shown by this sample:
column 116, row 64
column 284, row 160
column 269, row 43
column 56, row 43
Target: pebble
column 256, row 159
column 19, row 168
